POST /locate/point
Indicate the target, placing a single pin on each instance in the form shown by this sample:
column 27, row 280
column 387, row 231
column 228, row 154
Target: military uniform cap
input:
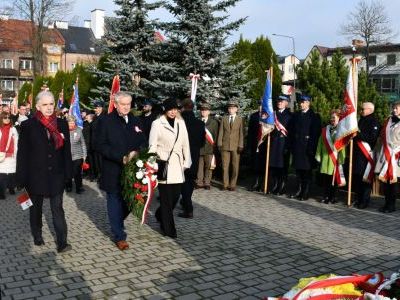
column 98, row 103
column 204, row 106
column 283, row 97
column 232, row 103
column 305, row 98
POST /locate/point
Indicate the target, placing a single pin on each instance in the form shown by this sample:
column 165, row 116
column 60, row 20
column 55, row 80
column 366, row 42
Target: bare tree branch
column 370, row 23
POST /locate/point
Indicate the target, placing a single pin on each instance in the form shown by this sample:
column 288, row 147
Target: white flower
column 145, row 180
column 153, row 177
column 139, row 163
column 139, row 175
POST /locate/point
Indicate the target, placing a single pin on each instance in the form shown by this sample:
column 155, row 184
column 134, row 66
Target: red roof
column 16, row 35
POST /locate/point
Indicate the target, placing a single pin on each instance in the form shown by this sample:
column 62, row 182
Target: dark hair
column 3, row 115
column 187, row 104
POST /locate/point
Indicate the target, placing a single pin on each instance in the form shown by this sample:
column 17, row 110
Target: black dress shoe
column 207, row 187
column 64, row 248
column 326, row 200
column 80, row 191
column 362, row 206
column 68, row 190
column 38, row 242
column 382, row 209
column 186, row 215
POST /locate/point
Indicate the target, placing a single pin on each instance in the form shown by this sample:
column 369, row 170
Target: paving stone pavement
column 240, row 245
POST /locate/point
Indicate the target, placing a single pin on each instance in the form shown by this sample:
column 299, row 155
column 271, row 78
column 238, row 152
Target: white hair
column 369, row 105
column 44, row 94
column 120, row 95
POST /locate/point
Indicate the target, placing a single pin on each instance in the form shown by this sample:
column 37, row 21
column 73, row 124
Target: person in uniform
column 256, row 150
column 388, row 159
column 330, row 160
column 230, row 144
column 147, row 117
column 279, row 147
column 196, row 133
column 304, row 134
column 363, row 158
column 99, row 113
column 204, row 173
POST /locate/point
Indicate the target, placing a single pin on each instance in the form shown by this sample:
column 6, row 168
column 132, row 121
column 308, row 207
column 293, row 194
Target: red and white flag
column 24, row 200
column 348, row 127
column 115, row 88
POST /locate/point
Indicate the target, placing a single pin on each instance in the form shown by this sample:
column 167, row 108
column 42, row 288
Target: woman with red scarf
column 8, row 154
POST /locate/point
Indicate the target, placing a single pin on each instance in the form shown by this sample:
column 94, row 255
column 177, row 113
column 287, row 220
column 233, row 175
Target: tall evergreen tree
column 197, row 44
column 129, row 43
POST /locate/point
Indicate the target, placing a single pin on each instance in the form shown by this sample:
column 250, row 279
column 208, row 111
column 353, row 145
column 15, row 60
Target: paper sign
column 24, row 200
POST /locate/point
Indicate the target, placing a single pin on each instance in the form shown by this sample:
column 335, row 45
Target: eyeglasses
column 6, row 118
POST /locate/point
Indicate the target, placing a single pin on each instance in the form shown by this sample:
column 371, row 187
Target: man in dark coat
column 196, row 132
column 119, row 137
column 99, row 113
column 147, row 117
column 304, row 134
column 44, row 164
column 257, row 152
column 204, row 173
column 364, row 143
column 279, row 147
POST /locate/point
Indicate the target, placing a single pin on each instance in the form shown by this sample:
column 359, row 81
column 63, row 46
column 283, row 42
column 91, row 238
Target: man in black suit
column 44, row 164
column 147, row 117
column 197, row 138
column 279, row 149
column 304, row 134
column 99, row 113
column 119, row 137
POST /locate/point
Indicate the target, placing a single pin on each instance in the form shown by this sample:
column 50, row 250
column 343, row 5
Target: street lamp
column 294, row 60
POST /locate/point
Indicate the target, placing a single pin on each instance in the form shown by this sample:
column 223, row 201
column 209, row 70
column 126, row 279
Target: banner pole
column 267, row 165
column 350, row 174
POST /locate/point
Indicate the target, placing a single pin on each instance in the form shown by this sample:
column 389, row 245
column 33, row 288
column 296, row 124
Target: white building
column 287, row 66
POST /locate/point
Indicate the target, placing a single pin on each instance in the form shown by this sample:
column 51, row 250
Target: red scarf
column 5, row 133
column 50, row 124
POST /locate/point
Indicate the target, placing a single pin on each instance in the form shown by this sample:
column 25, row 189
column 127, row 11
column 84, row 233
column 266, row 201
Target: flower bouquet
column 139, row 180
column 359, row 287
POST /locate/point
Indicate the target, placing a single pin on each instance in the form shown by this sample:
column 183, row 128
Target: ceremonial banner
column 74, row 109
column 60, row 101
column 348, row 127
column 115, row 88
column 194, row 78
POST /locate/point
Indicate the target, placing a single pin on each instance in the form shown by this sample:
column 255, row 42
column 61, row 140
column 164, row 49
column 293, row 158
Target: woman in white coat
column 168, row 134
column 8, row 154
column 388, row 160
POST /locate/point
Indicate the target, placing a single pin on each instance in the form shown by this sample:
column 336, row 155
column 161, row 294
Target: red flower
column 139, row 198
column 137, row 185
column 144, row 188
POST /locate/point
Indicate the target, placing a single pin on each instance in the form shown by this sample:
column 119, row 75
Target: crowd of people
column 191, row 147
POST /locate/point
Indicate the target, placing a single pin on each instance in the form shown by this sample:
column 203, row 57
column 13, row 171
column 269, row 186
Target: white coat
column 9, row 165
column 161, row 141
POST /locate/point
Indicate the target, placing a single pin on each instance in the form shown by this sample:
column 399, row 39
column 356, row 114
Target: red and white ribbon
column 388, row 154
column 338, row 173
column 369, row 155
column 151, row 185
column 209, row 137
column 194, row 78
column 280, row 127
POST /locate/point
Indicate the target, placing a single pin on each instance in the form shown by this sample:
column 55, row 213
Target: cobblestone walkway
column 240, row 245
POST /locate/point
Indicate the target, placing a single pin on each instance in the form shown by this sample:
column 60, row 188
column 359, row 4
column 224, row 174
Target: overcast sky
column 310, row 22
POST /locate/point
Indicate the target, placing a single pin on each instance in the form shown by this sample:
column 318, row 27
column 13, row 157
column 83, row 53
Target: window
column 291, row 68
column 391, row 59
column 7, row 85
column 53, row 67
column 7, row 63
column 372, row 61
column 91, row 49
column 25, row 64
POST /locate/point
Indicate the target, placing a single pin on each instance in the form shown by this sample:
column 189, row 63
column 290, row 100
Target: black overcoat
column 304, row 133
column 252, row 139
column 115, row 139
column 146, row 123
column 369, row 129
column 94, row 130
column 197, row 137
column 42, row 169
column 279, row 148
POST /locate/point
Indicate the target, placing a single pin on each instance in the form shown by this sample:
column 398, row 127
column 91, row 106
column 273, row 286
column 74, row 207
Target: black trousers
column 390, row 195
column 77, row 173
column 169, row 194
column 363, row 189
column 187, row 192
column 97, row 164
column 7, row 181
column 57, row 211
column 90, row 160
column 329, row 189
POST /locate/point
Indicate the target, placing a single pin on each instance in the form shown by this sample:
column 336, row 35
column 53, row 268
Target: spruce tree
column 129, row 44
column 197, row 43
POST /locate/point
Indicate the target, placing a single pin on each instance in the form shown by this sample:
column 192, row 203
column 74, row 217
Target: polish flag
column 115, row 88
column 348, row 127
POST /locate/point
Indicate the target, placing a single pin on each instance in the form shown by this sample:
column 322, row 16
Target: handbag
column 162, row 172
column 3, row 154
